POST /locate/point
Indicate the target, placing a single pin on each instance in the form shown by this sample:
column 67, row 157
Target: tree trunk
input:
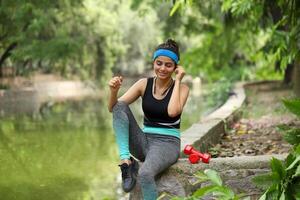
column 288, row 73
column 100, row 63
column 296, row 78
column 6, row 54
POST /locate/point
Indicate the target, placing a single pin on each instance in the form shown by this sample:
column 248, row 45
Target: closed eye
column 167, row 64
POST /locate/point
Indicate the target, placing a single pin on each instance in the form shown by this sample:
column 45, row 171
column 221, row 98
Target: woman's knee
column 145, row 176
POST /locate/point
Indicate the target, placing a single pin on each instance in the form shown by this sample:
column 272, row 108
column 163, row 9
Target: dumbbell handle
column 194, row 158
column 189, row 150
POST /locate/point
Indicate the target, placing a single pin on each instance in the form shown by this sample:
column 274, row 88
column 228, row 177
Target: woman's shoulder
column 142, row 81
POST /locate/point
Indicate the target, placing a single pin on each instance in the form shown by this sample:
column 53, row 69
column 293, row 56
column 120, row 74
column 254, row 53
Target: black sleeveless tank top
column 156, row 111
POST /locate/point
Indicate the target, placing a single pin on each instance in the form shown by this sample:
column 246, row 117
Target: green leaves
column 291, row 134
column 43, row 31
column 239, row 7
column 294, row 163
column 83, row 38
column 216, row 188
column 210, row 175
column 284, row 177
column 293, row 105
column 263, row 181
column 176, row 6
column 213, row 176
column 277, row 169
column 180, row 4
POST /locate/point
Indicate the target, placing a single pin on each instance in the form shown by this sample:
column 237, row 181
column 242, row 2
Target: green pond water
column 67, row 151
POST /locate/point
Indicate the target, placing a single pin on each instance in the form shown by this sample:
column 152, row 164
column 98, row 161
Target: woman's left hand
column 179, row 71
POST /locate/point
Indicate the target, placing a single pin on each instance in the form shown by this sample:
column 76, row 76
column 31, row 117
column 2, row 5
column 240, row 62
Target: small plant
column 216, row 189
column 4, row 87
column 283, row 182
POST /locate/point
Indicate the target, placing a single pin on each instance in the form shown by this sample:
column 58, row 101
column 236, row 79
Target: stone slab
column 236, row 172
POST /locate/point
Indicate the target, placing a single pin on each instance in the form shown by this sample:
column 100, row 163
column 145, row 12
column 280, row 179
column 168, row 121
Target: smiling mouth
column 162, row 74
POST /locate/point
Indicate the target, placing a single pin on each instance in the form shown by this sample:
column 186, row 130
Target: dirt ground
column 256, row 133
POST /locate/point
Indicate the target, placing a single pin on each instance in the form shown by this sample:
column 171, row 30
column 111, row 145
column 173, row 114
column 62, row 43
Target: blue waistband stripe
column 163, row 131
column 167, row 53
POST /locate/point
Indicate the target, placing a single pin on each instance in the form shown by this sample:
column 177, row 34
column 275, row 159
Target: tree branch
column 3, row 36
column 7, row 53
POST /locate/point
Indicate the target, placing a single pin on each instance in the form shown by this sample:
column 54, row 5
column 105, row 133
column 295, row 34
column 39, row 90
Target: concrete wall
column 18, row 101
column 28, row 100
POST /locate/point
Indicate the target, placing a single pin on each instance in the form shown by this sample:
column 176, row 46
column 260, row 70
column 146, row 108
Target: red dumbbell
column 195, row 156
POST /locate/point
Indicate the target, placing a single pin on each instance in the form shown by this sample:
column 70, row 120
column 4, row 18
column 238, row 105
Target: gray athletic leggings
column 156, row 151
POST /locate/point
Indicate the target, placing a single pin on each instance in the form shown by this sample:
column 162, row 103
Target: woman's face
column 164, row 67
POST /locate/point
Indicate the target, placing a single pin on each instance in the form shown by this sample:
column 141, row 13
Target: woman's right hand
column 115, row 83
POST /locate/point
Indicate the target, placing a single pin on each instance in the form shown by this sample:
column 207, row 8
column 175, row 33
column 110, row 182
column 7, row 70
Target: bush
column 283, row 182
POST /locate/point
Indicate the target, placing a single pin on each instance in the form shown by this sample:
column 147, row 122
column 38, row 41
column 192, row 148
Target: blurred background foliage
column 219, row 39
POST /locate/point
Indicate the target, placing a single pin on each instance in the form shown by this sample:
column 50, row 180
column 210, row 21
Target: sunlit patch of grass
column 265, row 103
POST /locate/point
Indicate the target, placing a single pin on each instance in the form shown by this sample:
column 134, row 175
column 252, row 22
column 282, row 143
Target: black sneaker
column 129, row 174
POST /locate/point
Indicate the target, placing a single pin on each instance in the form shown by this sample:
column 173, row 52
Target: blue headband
column 167, row 53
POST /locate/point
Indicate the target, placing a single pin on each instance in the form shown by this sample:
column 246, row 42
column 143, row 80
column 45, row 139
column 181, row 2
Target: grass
column 265, row 103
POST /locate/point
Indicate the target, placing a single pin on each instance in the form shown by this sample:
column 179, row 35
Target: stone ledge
column 209, row 130
column 236, row 172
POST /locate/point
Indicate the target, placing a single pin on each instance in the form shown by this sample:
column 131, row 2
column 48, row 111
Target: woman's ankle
column 127, row 161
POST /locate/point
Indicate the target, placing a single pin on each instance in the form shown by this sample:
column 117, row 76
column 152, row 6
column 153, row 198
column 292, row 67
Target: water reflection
column 68, row 151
